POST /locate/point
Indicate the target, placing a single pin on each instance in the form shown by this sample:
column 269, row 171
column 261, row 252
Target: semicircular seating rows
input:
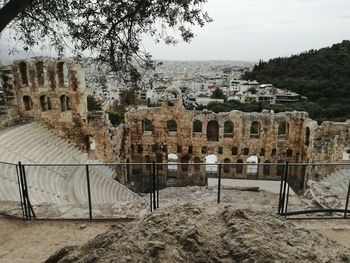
column 34, row 144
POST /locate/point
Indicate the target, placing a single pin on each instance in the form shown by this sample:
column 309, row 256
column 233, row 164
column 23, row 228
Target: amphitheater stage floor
column 270, row 186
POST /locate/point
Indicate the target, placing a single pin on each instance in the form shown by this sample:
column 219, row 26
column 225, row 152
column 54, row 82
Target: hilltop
column 321, row 75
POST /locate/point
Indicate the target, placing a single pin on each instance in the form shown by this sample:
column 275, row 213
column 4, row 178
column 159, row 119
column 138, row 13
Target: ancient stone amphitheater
column 58, row 185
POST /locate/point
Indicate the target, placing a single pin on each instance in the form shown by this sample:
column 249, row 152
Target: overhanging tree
column 111, row 30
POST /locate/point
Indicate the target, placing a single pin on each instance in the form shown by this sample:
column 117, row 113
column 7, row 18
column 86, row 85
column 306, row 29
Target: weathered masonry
column 53, row 93
column 172, row 134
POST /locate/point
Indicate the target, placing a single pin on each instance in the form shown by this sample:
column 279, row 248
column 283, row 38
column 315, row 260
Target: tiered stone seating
column 34, row 144
column 338, row 180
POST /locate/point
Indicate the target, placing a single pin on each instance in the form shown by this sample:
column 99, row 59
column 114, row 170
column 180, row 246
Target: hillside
column 321, row 75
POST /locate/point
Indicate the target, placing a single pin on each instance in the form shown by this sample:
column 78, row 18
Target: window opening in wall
column 147, row 125
column 220, row 151
column 213, row 131
column 172, row 126
column 28, row 103
column 24, row 72
column 190, row 149
column 160, row 161
column 239, row 167
column 39, row 66
column 273, row 152
column 197, row 126
column 234, row 150
column 307, row 136
column 165, row 148
column 204, row 150
column 62, row 74
column 255, row 130
column 262, row 152
column 228, row 129
column 252, row 167
column 289, row 153
column 245, row 151
column 65, row 103
column 45, row 103
column 197, row 166
column 139, row 148
column 283, row 128
column 179, row 149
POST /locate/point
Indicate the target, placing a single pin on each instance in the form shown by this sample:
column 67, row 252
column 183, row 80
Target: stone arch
column 283, row 128
column 184, row 161
column 172, row 163
column 65, row 103
column 45, row 103
column 172, row 126
column 227, row 165
column 40, row 74
column 267, row 168
column 197, row 162
column 255, row 129
column 62, row 73
column 211, row 161
column 239, row 167
column 147, row 125
column 23, row 70
column 228, row 129
column 252, row 167
column 27, row 103
column 173, row 96
column 213, row 131
column 307, row 136
column 197, row 126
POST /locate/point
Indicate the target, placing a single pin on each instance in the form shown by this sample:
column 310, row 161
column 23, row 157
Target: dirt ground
column 35, row 241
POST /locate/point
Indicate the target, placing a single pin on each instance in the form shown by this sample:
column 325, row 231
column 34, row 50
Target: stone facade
column 53, row 93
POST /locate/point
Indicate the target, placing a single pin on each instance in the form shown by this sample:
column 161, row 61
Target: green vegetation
column 115, row 117
column 321, row 75
column 218, row 94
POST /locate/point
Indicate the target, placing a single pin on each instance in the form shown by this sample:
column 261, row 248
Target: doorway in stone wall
column 252, row 167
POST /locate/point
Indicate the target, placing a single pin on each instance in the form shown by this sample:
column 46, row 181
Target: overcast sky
column 260, row 29
column 250, row 30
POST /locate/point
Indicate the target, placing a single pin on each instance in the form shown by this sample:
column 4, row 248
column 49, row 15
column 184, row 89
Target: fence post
column 150, row 187
column 157, row 178
column 30, row 210
column 154, row 185
column 284, row 187
column 89, row 190
column 347, row 202
column 20, row 190
column 219, row 184
column 24, row 207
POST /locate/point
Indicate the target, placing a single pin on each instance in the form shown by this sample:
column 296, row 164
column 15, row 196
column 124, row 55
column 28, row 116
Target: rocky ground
column 207, row 233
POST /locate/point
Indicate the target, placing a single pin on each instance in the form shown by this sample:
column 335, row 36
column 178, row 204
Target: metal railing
column 150, row 178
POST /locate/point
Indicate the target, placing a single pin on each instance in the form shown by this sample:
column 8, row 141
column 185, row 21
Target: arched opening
column 197, row 126
column 172, row 164
column 65, row 103
column 147, row 125
column 267, row 168
column 283, row 128
column 213, row 131
column 184, row 162
column 262, row 152
column 252, row 167
column 160, row 162
column 289, row 153
column 45, row 103
column 210, row 161
column 228, row 129
column 239, row 167
column 147, row 160
column 307, row 136
column 280, row 168
column 197, row 166
column 255, row 130
column 28, row 103
column 62, row 74
column 172, row 126
column 227, row 165
column 24, row 72
column 39, row 67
